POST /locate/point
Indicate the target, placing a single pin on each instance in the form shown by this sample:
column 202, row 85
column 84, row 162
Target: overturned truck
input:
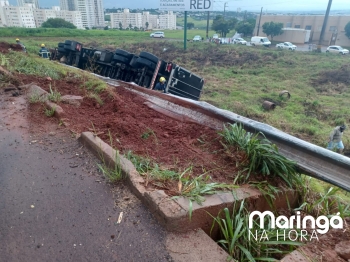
column 144, row 69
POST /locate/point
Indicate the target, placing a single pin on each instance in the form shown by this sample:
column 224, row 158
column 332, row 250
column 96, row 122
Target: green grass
column 241, row 246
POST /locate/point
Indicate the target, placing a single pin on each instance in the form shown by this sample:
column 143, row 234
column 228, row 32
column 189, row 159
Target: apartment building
column 35, row 3
column 17, row 16
column 167, row 21
column 74, row 17
column 91, row 11
column 152, row 20
column 334, row 32
column 30, row 17
column 164, row 21
column 126, row 18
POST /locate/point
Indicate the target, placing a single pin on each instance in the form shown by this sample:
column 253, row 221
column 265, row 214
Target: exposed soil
column 126, row 122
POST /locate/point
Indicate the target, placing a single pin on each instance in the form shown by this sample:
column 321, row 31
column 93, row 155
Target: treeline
column 65, row 32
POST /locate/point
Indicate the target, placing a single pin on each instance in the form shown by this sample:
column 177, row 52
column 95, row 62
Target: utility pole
column 207, row 24
column 225, row 9
column 324, row 26
column 259, row 22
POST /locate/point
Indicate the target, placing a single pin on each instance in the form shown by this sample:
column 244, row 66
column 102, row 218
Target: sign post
column 184, row 6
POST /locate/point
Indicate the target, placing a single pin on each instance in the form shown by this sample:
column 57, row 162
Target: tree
column 190, row 25
column 245, row 28
column 272, row 29
column 347, row 30
column 130, row 26
column 57, row 23
column 106, row 27
column 222, row 26
column 146, row 24
column 120, row 26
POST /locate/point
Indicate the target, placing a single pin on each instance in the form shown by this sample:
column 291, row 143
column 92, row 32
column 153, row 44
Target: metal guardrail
column 311, row 159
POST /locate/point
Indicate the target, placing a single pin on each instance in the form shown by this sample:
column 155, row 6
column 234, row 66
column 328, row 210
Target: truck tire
column 121, row 59
column 124, row 53
column 61, row 50
column 133, row 62
column 145, row 62
column 149, row 57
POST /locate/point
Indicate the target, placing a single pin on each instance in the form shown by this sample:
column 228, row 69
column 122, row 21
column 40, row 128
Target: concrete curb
column 173, row 214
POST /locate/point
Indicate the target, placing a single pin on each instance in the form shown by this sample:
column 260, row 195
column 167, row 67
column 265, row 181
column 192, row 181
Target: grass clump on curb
column 261, row 156
column 114, row 174
column 151, row 170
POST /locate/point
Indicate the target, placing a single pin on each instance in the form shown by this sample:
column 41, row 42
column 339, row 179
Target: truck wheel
column 149, row 57
column 146, row 63
column 61, row 50
column 133, row 63
column 122, row 52
column 121, row 59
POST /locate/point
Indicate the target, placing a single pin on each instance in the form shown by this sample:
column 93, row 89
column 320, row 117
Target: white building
column 17, row 16
column 126, row 18
column 167, row 21
column 30, row 17
column 91, row 11
column 74, row 17
column 35, row 3
column 152, row 20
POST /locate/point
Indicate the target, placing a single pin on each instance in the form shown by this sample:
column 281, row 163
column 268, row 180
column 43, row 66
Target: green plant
column 50, row 112
column 112, row 174
column 152, row 171
column 327, row 203
column 54, row 96
column 261, row 156
column 4, row 61
column 149, row 132
column 196, row 188
column 96, row 97
column 35, row 98
column 236, row 236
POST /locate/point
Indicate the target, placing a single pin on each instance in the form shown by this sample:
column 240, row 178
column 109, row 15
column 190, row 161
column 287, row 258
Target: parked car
column 337, row 49
column 260, row 40
column 239, row 41
column 215, row 36
column 157, row 35
column 197, row 38
column 286, row 45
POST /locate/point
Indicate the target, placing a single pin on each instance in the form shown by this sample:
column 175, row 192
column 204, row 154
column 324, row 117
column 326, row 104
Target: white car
column 215, row 36
column 157, row 35
column 197, row 38
column 337, row 49
column 239, row 41
column 286, row 45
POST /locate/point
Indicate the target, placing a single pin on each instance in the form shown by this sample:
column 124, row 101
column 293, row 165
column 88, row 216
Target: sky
column 231, row 5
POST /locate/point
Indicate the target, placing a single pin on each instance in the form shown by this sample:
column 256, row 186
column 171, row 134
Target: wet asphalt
column 56, row 206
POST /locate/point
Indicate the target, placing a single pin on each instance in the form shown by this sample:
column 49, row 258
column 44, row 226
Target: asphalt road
column 56, row 206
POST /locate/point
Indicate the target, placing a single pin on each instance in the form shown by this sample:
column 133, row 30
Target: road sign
column 186, row 5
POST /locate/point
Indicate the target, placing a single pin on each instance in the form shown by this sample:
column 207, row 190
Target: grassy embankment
column 311, row 113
